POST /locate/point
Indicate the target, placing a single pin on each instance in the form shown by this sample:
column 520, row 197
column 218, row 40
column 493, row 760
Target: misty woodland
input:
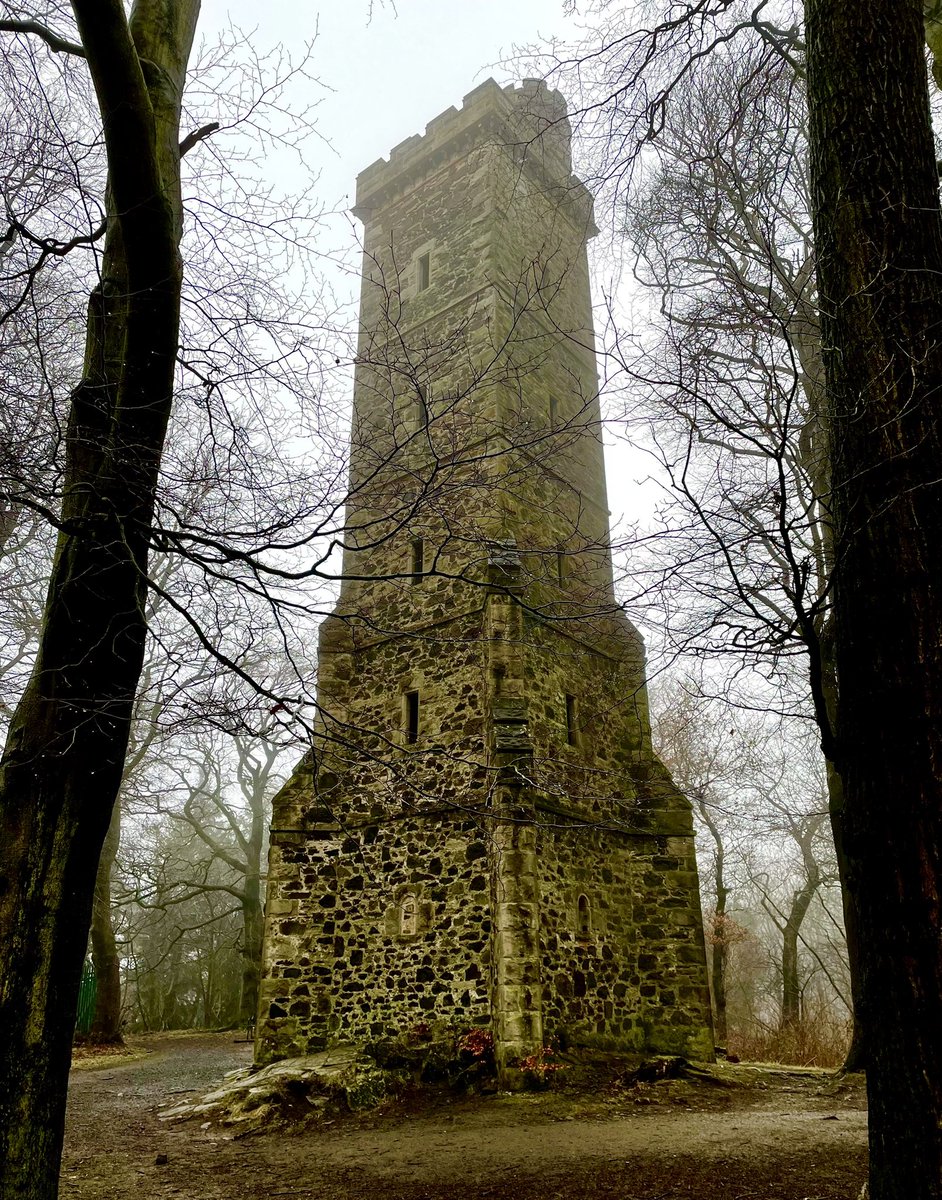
column 362, row 759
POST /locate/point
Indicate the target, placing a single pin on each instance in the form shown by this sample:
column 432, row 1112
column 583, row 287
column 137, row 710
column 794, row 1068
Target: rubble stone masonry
column 482, row 835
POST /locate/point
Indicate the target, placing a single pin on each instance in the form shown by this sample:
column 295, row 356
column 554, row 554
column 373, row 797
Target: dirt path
column 768, row 1136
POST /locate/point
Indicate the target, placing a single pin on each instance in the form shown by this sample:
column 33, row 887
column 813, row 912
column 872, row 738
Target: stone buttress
column 482, row 835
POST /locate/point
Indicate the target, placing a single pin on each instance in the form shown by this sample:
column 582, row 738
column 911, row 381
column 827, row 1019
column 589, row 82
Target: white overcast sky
column 391, row 69
column 386, row 72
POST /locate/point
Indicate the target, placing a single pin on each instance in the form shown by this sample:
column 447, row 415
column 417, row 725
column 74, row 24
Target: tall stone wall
column 340, row 965
column 624, row 969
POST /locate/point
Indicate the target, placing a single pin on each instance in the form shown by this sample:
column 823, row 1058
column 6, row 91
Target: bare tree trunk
column 63, row 762
column 791, row 982
column 856, row 1057
column 253, row 777
column 789, row 923
column 719, row 941
column 719, row 959
column 106, row 1024
column 878, row 238
column 252, row 927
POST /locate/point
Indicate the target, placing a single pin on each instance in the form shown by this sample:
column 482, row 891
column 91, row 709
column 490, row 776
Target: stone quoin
column 482, row 834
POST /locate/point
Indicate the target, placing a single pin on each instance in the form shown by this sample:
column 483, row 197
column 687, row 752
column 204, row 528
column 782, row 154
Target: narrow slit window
column 584, row 916
column 418, row 559
column 553, row 410
column 424, row 271
column 411, row 701
column 560, row 567
column 572, row 732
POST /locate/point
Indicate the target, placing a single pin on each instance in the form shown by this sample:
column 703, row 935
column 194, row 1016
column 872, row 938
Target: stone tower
column 482, row 834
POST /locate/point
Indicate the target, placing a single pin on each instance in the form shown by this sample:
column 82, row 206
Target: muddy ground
column 757, row 1134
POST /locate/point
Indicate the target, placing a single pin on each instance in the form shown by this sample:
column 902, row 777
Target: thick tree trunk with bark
column 879, row 248
column 64, row 757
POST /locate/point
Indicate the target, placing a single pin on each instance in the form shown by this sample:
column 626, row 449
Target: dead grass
column 86, row 1057
column 820, row 1042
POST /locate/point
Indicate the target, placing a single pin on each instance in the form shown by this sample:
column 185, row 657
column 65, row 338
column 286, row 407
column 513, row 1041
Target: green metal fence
column 86, row 1002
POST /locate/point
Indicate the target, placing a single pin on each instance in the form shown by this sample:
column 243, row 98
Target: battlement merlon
column 528, row 117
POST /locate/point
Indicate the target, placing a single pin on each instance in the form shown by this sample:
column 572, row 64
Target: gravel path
column 780, row 1137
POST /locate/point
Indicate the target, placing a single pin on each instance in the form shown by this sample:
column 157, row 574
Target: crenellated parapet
column 527, row 121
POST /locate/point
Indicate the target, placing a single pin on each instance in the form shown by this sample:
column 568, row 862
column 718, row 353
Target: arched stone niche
column 409, row 915
column 583, row 916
